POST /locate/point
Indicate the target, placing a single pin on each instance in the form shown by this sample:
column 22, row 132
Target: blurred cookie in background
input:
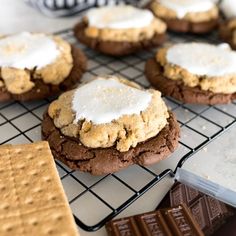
column 194, row 72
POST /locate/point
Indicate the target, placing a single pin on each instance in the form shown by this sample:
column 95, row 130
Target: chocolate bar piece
column 208, row 212
column 176, row 221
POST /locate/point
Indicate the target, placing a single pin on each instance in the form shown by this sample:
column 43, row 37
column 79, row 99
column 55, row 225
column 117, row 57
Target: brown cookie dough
column 198, row 23
column 116, row 48
column 227, row 32
column 43, row 90
column 177, row 90
column 100, row 161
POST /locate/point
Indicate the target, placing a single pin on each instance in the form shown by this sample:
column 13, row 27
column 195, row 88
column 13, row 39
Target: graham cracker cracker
column 33, row 201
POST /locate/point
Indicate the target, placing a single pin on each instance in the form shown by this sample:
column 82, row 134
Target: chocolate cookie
column 42, row 90
column 100, row 161
column 203, row 208
column 184, row 26
column 177, row 90
column 116, row 48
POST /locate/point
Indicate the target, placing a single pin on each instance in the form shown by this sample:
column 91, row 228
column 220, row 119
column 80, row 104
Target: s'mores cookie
column 228, row 27
column 36, row 65
column 120, row 30
column 194, row 16
column 194, row 72
column 108, row 124
column 33, row 201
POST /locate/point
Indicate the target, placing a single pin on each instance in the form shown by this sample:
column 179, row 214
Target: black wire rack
column 106, row 196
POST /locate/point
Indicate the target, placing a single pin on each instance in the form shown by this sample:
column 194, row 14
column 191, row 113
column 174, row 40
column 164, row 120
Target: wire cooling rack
column 106, row 196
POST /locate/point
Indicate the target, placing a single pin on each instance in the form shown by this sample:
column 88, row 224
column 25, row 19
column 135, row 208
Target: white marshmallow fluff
column 203, row 59
column 27, row 50
column 119, row 17
column 103, row 100
column 228, row 7
column 182, row 7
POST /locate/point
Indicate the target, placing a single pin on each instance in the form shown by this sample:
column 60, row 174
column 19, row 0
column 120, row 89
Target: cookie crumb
column 206, row 176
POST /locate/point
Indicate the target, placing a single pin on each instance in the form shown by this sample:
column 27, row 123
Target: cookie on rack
column 228, row 8
column 228, row 27
column 120, row 30
column 33, row 201
column 194, row 16
column 194, row 72
column 36, row 65
column 109, row 124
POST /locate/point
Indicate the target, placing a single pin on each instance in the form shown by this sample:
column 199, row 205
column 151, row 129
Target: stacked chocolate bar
column 183, row 211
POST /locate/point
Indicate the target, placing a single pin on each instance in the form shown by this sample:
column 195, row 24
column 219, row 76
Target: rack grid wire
column 106, row 196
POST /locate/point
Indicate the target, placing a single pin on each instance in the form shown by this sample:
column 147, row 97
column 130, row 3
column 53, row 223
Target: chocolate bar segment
column 208, row 212
column 176, row 221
